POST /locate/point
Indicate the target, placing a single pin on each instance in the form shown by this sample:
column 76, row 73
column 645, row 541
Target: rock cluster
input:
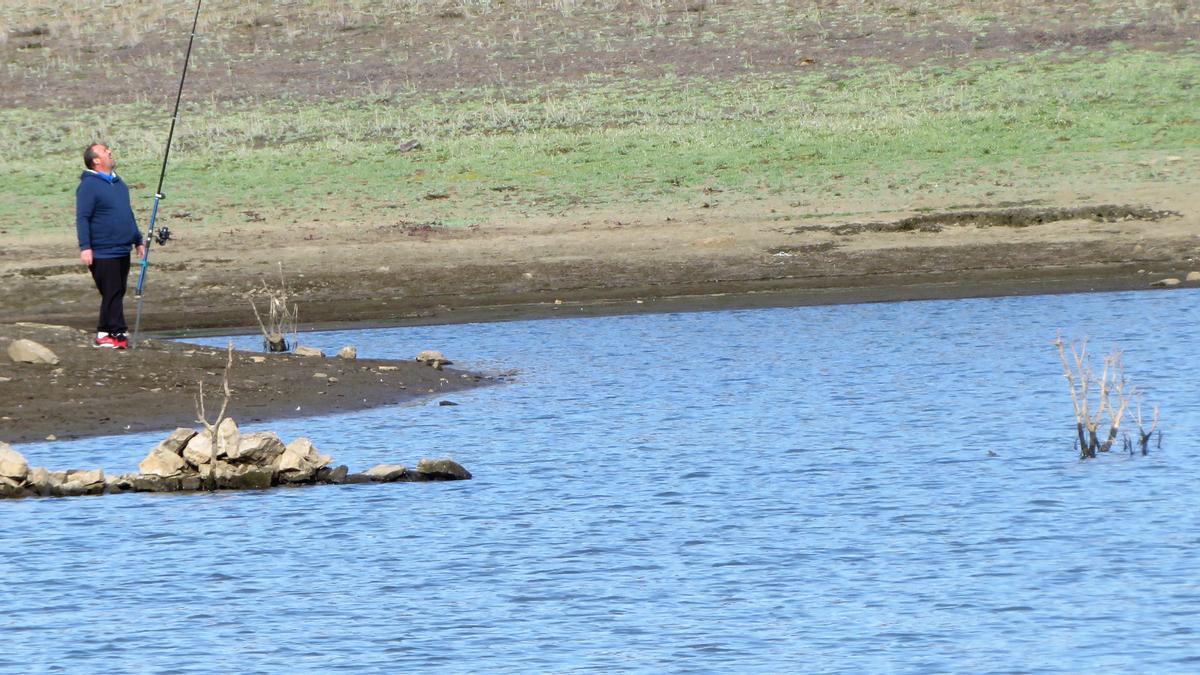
column 189, row 460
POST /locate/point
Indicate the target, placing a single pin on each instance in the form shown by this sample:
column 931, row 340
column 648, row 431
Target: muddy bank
column 97, row 392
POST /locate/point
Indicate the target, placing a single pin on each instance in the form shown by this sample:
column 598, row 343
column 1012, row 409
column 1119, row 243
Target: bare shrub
column 1101, row 401
column 282, row 315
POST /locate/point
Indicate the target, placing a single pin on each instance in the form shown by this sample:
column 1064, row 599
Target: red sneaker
column 107, row 342
column 122, row 340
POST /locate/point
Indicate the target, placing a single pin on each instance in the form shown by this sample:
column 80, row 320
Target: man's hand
column 86, row 256
column 141, row 251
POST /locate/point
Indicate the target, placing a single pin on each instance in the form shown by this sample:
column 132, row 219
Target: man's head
column 98, row 157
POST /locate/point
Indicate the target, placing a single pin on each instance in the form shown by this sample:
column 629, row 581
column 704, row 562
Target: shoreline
column 760, row 294
column 92, row 394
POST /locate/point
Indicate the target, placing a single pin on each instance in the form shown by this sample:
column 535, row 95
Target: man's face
column 104, row 162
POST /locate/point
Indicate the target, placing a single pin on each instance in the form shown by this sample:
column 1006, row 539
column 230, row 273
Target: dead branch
column 211, row 428
column 282, row 315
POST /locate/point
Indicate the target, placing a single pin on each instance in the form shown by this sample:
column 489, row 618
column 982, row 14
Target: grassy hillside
column 919, row 116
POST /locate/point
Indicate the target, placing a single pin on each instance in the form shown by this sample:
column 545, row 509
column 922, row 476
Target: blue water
column 803, row 490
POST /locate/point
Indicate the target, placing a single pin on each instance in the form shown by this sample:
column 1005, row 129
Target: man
column 107, row 231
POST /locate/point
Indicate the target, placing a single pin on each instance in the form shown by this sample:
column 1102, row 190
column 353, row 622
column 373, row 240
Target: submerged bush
column 1103, row 399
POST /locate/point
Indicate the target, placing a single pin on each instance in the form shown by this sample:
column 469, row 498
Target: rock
column 15, row 489
column 409, row 146
column 442, row 469
column 386, row 473
column 356, row 478
column 28, row 351
column 228, row 476
column 300, row 461
column 190, row 483
column 446, row 403
column 42, row 481
column 1165, row 283
column 152, row 483
column 308, row 351
column 117, row 484
column 262, row 448
column 12, row 463
column 1192, row 276
column 92, row 479
column 348, row 353
column 178, row 439
column 245, row 477
column 162, row 463
column 334, row 476
column 228, row 437
column 433, row 358
column 82, row 483
column 198, row 450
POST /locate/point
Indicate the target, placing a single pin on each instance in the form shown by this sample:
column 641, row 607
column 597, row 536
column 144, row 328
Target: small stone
column 335, row 476
column 1165, row 283
column 386, row 473
column 442, row 469
column 433, row 358
column 308, row 351
column 52, row 437
column 320, row 376
column 1192, row 276
column 258, row 359
column 28, row 351
column 348, row 353
column 387, row 369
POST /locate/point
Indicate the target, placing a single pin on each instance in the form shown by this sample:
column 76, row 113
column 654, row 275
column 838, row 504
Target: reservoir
column 845, row 488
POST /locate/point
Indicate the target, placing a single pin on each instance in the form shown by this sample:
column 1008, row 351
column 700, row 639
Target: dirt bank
column 94, row 392
column 604, row 262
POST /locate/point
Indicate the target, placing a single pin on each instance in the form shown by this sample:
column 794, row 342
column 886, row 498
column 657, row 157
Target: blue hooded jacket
column 104, row 219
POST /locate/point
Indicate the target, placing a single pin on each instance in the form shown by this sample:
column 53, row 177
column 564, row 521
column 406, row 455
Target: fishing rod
column 162, row 234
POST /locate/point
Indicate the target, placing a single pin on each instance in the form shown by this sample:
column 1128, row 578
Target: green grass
column 503, row 155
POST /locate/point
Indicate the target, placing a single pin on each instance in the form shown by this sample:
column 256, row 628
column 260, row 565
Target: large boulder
column 262, row 448
column 28, row 351
column 12, row 463
column 228, row 476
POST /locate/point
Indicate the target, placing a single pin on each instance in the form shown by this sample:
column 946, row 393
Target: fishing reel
column 162, row 235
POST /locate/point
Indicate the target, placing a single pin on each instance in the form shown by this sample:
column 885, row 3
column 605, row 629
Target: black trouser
column 110, row 275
